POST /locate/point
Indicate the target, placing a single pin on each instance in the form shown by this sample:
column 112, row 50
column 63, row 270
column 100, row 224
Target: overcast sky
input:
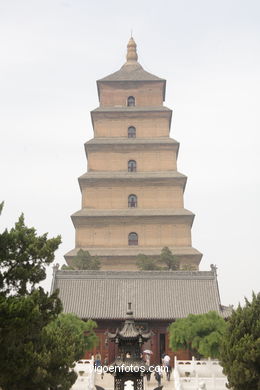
column 51, row 54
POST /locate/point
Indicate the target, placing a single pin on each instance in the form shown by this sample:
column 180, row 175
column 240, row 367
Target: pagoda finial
column 131, row 51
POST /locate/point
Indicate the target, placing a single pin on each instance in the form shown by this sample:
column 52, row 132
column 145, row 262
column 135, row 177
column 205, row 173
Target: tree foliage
column 240, row 354
column 84, row 261
column 37, row 344
column 23, row 257
column 22, row 361
column 147, row 263
column 166, row 261
column 65, row 341
column 200, row 334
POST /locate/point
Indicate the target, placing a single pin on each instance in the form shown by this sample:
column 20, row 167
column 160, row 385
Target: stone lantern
column 129, row 365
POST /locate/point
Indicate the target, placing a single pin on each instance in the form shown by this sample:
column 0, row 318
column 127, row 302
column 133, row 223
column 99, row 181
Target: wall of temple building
column 159, row 343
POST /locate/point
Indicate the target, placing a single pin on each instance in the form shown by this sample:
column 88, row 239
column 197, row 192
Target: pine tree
column 168, row 259
column 84, row 261
column 37, row 345
column 146, row 263
column 23, row 258
column 240, row 354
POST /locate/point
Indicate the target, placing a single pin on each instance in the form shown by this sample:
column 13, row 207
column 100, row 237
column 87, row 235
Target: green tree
column 22, row 361
column 240, row 353
column 79, row 336
column 84, row 261
column 146, row 263
column 38, row 347
column 23, row 257
column 30, row 341
column 168, row 260
column 200, row 334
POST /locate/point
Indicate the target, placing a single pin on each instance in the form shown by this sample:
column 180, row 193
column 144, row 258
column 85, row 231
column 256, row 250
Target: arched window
column 130, row 101
column 132, row 200
column 132, row 239
column 131, row 132
column 131, row 166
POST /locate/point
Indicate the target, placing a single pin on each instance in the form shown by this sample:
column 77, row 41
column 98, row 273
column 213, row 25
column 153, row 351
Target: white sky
column 51, row 54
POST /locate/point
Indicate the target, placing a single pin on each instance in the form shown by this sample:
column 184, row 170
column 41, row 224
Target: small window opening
column 131, row 166
column 132, row 200
column 131, row 132
column 130, row 101
column 132, row 239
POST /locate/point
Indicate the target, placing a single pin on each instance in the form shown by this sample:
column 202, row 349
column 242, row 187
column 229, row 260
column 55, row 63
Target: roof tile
column 154, row 295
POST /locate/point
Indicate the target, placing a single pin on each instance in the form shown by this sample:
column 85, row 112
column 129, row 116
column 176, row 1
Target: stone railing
column 86, row 375
column 198, row 374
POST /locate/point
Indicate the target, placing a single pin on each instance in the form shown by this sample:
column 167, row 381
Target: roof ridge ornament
column 214, row 269
column 131, row 56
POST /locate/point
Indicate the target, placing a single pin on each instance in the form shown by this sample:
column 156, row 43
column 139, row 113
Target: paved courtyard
column 108, row 382
column 84, row 382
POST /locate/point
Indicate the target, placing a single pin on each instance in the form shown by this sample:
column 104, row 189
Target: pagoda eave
column 149, row 178
column 133, row 109
column 132, row 145
column 102, row 141
column 191, row 255
column 131, row 112
column 134, row 215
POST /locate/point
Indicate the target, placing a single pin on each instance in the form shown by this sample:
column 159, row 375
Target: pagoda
column 132, row 202
column 132, row 193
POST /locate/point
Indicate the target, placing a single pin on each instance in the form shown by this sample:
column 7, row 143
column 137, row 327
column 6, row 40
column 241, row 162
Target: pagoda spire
column 131, row 56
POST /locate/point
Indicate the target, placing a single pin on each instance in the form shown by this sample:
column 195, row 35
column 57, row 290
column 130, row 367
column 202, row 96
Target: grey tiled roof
column 154, row 294
column 131, row 72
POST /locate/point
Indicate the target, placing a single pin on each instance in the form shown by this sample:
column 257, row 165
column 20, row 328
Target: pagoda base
column 124, row 259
